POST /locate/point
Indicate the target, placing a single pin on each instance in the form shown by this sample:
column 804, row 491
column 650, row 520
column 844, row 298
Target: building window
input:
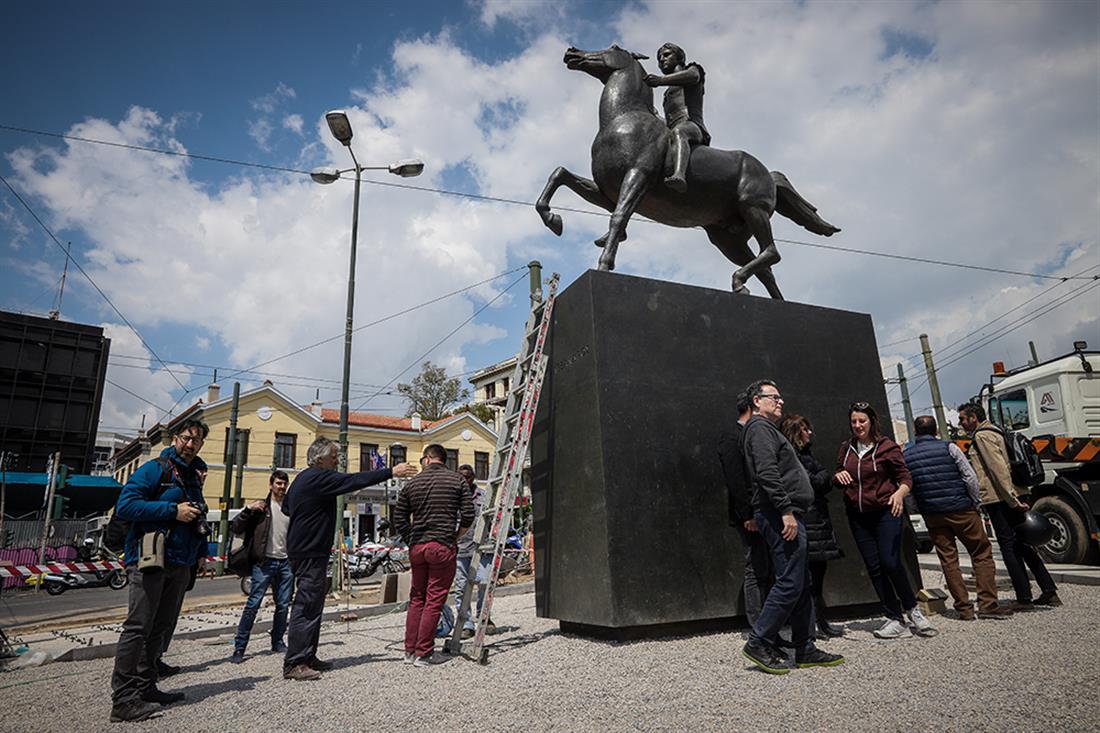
column 397, row 454
column 505, row 389
column 490, row 390
column 365, row 450
column 242, row 435
column 452, row 459
column 481, row 465
column 285, row 449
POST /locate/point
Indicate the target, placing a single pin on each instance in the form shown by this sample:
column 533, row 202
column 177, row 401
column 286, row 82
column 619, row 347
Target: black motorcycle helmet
column 1035, row 529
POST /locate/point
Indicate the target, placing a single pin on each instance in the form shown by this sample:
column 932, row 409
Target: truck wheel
column 1070, row 542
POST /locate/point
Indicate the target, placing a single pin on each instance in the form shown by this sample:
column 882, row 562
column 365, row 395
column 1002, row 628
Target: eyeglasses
column 192, row 439
column 859, row 406
column 775, row 396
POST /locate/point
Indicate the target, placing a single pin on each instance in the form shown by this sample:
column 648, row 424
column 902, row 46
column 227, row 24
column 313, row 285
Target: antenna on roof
column 56, row 312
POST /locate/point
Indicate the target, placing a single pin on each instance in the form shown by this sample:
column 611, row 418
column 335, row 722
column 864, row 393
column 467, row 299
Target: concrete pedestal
column 631, row 515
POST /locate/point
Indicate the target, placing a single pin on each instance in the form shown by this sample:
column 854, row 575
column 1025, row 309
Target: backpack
column 114, row 534
column 1023, row 460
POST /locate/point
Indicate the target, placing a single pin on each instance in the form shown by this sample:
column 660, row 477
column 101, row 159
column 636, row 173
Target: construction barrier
column 26, row 571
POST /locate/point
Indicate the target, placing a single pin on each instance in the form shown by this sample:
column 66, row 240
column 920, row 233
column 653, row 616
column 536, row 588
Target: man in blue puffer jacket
column 946, row 489
column 163, row 495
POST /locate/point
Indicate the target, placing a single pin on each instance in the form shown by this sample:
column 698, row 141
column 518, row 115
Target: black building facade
column 51, row 387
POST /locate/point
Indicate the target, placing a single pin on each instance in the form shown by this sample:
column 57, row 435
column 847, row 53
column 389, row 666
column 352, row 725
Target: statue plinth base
column 630, row 510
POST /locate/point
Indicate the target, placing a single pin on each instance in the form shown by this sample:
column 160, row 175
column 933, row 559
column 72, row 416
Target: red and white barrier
column 27, row 571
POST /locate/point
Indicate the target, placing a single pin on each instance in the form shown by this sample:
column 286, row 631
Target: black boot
column 826, row 629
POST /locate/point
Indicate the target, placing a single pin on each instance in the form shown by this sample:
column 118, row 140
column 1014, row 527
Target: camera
column 202, row 527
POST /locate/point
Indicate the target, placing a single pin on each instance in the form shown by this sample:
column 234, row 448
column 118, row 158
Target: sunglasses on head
column 860, row 406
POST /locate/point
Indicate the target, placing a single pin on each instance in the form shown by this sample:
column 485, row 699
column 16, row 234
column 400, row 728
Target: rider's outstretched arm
column 683, row 78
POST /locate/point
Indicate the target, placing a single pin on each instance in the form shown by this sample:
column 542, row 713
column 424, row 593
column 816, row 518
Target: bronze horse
column 730, row 194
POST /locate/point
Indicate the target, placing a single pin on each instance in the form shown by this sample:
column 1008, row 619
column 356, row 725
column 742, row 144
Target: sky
column 963, row 132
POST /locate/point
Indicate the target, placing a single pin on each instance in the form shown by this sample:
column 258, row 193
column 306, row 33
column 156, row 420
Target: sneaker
column 409, row 657
column 301, row 673
column 424, row 661
column 238, row 656
column 278, row 647
column 1048, row 598
column 920, row 622
column 166, row 670
column 766, row 658
column 1023, row 606
column 132, row 712
column 467, row 633
column 318, row 665
column 893, row 629
column 815, row 657
column 997, row 612
column 162, row 698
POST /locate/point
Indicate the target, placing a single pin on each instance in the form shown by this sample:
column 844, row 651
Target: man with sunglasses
column 163, row 496
column 781, row 494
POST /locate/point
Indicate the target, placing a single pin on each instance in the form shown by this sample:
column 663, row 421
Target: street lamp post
column 340, row 126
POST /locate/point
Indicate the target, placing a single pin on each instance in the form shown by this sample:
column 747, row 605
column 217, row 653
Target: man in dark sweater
column 781, row 495
column 433, row 511
column 757, row 556
column 311, row 505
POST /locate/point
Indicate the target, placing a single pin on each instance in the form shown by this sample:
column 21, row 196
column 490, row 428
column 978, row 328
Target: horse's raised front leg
column 583, row 187
column 635, row 185
column 757, row 219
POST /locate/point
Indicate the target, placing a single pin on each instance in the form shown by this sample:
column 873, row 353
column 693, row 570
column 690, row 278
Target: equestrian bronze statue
column 728, row 193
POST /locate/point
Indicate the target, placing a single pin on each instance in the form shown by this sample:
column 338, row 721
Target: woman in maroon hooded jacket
column 871, row 469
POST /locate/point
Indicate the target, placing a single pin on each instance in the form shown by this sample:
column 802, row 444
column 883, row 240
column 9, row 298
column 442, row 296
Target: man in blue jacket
column 946, row 489
column 164, row 495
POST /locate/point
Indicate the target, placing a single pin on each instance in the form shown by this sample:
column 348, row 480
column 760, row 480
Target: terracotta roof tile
column 386, row 422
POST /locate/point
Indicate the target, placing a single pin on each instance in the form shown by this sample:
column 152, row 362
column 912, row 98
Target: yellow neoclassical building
column 276, row 433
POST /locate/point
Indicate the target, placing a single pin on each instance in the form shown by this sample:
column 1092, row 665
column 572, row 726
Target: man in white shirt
column 265, row 526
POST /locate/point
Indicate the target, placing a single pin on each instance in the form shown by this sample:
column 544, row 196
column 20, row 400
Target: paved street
column 1032, row 672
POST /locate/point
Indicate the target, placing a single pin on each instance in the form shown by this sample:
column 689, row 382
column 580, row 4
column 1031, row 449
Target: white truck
column 1056, row 403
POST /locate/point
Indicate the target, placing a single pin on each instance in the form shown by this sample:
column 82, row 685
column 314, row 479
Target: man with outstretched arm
column 311, row 505
column 781, row 495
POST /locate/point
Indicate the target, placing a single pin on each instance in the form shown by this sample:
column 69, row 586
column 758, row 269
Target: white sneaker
column 409, row 658
column 893, row 629
column 920, row 622
column 425, row 661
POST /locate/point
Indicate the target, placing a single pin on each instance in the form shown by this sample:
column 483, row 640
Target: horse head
column 601, row 64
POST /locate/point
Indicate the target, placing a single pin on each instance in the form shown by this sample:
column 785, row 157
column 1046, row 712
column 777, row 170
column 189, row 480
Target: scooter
column 57, row 583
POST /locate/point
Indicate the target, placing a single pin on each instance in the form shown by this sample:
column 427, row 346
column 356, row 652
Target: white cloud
column 268, row 107
column 202, row 343
column 150, row 387
column 983, row 150
column 294, row 123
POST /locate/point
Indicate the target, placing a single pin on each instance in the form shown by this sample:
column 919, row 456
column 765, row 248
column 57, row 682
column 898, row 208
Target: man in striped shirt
column 425, row 518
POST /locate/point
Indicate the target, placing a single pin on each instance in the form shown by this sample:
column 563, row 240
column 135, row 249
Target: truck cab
column 1056, row 403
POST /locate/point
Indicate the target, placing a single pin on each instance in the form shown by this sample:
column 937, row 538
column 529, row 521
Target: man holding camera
column 164, row 504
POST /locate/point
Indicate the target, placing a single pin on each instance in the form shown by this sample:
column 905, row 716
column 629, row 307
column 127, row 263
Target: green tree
column 432, row 392
column 481, row 411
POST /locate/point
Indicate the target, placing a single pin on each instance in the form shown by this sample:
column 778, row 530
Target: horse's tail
column 791, row 205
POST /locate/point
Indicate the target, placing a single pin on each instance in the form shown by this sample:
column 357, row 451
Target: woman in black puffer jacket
column 823, row 545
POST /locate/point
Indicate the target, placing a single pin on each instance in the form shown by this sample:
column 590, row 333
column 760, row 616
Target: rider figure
column 683, row 108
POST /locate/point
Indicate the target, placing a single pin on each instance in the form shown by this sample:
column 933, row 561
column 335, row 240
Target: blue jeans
column 462, row 576
column 878, row 537
column 790, row 598
column 277, row 574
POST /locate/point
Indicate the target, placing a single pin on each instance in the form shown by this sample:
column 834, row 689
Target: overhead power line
column 88, row 277
column 503, row 200
column 1013, row 326
column 441, row 341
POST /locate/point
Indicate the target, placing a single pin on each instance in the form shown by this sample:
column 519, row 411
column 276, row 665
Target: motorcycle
column 57, row 583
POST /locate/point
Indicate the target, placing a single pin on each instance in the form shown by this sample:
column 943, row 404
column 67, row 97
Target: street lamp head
column 340, row 125
column 325, row 175
column 407, row 168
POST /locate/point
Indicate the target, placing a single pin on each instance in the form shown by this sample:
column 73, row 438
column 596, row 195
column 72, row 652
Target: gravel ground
column 1034, row 672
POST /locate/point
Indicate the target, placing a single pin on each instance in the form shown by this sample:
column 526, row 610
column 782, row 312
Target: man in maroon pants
column 433, row 511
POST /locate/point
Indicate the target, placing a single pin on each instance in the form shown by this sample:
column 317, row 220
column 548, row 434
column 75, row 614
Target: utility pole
column 933, row 384
column 5, row 457
column 906, row 404
column 242, row 446
column 55, row 462
column 227, row 486
column 535, row 271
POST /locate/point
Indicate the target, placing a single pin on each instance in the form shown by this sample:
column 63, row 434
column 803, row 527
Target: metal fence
column 26, row 536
